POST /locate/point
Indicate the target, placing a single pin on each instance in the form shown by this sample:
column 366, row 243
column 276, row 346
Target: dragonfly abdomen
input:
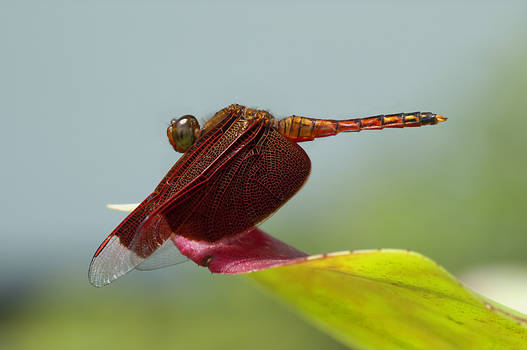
column 297, row 128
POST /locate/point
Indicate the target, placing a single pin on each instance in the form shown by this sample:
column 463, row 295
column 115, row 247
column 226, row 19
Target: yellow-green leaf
column 393, row 299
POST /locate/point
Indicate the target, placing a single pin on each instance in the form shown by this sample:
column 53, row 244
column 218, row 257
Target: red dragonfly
column 235, row 172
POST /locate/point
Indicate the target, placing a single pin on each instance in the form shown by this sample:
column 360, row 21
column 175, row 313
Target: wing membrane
column 237, row 175
column 166, row 255
column 128, row 245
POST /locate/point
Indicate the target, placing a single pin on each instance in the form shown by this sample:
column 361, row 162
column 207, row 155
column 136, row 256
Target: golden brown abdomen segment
column 299, row 129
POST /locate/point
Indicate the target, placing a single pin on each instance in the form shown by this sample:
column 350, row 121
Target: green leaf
column 393, row 299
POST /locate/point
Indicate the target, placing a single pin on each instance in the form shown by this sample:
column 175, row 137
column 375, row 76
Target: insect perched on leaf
column 235, row 172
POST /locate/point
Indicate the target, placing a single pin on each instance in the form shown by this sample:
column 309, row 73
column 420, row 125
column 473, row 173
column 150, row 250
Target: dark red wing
column 255, row 183
column 115, row 256
column 234, row 177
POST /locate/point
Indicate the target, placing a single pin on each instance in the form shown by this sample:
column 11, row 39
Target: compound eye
column 183, row 132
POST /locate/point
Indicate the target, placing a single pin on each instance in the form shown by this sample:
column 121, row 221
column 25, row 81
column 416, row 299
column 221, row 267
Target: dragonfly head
column 183, row 132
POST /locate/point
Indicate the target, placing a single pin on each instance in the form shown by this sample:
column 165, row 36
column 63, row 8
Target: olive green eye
column 182, row 132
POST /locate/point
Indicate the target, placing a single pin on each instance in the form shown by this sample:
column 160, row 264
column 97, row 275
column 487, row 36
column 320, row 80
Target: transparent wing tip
column 114, row 261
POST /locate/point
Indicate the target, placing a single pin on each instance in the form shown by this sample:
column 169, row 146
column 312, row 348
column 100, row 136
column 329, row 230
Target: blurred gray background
column 88, row 88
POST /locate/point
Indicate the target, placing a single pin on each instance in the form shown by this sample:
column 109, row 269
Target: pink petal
column 244, row 252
